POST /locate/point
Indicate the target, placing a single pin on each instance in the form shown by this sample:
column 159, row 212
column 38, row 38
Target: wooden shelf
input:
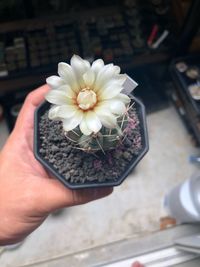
column 24, row 82
column 31, row 77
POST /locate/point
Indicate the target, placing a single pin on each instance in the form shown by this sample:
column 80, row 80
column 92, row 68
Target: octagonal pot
column 98, row 170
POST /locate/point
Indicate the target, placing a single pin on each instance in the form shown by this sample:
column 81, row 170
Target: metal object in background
column 183, row 201
column 189, row 243
column 161, row 258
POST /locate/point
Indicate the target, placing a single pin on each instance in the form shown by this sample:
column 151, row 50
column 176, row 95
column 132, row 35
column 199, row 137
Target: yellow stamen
column 86, row 98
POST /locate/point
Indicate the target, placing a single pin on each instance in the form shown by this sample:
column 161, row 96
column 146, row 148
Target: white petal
column 67, row 90
column 97, row 65
column 107, row 118
column 103, row 106
column 67, row 74
column 57, row 97
column 73, row 122
column 121, row 78
column 107, row 73
column 118, row 79
column 87, row 63
column 116, row 69
column 109, row 65
column 110, row 91
column 54, row 81
column 66, row 111
column 61, row 112
column 53, row 113
column 122, row 97
column 80, row 67
column 117, row 107
column 92, row 121
column 84, row 129
column 89, row 77
column 64, row 70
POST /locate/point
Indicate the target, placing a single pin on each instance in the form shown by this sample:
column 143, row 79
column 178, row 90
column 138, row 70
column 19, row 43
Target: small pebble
column 54, row 148
column 67, row 176
column 126, row 155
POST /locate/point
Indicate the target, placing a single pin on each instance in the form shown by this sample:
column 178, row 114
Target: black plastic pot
column 49, row 167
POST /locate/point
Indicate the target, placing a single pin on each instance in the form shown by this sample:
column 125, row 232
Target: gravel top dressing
column 79, row 167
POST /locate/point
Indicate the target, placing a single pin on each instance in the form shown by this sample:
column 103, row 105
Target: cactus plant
column 105, row 139
column 91, row 103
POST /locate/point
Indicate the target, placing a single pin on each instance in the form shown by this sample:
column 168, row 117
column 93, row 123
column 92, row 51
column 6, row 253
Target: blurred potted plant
column 90, row 131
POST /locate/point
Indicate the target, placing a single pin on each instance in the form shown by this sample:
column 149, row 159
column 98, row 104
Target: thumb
column 55, row 195
column 137, row 264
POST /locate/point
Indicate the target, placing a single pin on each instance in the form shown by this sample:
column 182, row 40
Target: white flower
column 88, row 96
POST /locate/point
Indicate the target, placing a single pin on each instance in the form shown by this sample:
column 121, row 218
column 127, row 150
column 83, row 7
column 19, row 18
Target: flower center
column 86, row 99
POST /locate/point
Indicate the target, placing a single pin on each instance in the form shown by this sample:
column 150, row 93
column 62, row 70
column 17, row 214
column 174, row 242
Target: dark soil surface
column 79, row 167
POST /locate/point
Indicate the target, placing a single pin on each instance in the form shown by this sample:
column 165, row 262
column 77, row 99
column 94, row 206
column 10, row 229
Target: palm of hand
column 27, row 193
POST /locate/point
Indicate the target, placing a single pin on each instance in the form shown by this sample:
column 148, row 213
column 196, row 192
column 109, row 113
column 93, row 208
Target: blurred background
column 140, row 36
column 157, row 43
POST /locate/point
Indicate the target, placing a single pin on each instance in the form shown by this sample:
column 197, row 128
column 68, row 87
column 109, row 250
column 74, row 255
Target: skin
column 137, row 264
column 27, row 193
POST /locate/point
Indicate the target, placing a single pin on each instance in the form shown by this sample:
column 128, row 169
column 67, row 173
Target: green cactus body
column 106, row 139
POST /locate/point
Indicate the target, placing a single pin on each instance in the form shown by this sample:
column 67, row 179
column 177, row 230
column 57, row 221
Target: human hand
column 27, row 193
column 137, row 264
